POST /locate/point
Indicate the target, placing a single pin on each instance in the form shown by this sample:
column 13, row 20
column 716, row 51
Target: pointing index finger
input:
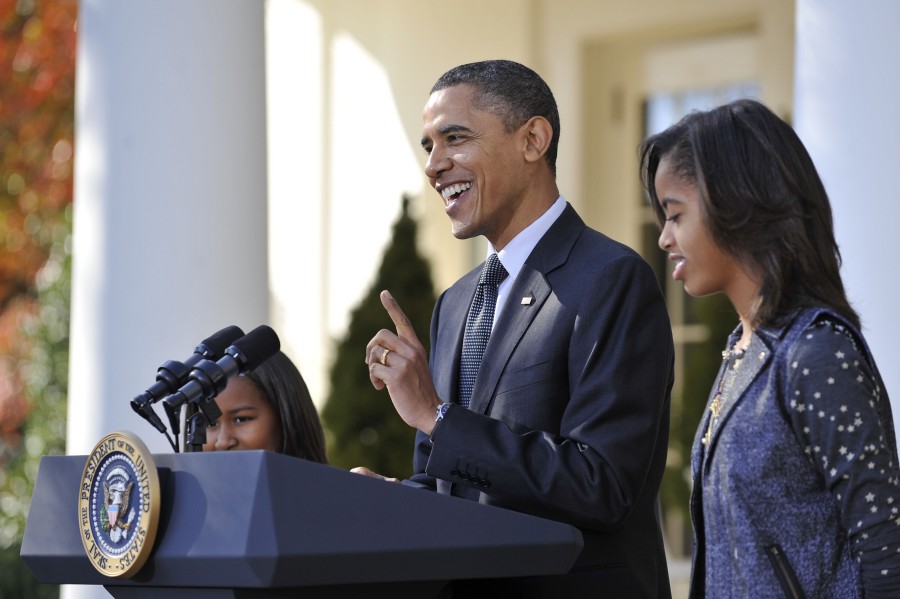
column 401, row 320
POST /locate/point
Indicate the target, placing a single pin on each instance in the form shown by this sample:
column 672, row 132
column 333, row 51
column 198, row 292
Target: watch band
column 441, row 411
column 438, row 417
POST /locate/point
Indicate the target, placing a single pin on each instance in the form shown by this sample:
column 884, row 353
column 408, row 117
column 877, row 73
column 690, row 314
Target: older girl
column 794, row 465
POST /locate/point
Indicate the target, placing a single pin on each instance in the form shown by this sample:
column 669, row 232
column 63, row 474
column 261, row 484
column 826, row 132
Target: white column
column 298, row 197
column 170, row 199
column 847, row 92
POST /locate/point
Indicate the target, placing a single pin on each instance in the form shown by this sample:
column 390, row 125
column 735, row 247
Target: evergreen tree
column 362, row 427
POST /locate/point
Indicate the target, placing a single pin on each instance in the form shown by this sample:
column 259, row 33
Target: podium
column 254, row 524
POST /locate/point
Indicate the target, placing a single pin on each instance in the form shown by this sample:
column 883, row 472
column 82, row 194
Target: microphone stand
column 207, row 379
column 196, row 432
column 200, row 415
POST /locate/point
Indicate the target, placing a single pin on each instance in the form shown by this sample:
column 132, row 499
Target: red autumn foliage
column 37, row 99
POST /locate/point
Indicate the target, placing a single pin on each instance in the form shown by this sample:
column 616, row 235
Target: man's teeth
column 455, row 189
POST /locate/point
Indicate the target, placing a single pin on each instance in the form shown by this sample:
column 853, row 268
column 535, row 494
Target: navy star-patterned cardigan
column 797, row 490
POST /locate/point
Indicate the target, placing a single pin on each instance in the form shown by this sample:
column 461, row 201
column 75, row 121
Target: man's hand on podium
column 366, row 472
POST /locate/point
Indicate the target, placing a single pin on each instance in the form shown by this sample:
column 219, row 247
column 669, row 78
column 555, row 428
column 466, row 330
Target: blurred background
column 171, row 167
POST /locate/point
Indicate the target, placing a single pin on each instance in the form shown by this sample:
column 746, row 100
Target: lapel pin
column 526, row 301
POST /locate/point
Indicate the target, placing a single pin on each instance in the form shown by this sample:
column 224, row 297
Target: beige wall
column 650, row 48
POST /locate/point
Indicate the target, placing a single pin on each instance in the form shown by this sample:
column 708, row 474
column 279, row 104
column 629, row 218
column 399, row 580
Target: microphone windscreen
column 217, row 343
column 256, row 347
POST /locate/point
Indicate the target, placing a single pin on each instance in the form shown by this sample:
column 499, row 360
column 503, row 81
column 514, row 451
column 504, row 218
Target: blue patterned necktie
column 478, row 326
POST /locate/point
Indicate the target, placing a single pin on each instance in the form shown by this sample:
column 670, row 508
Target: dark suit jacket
column 569, row 415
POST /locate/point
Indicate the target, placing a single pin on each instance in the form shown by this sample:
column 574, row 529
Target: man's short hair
column 511, row 91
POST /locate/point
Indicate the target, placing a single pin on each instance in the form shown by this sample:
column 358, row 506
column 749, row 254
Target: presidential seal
column 118, row 505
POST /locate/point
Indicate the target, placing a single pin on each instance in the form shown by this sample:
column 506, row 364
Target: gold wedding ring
column 384, row 356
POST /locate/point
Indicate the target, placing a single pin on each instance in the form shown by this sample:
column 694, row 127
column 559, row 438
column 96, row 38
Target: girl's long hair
column 284, row 387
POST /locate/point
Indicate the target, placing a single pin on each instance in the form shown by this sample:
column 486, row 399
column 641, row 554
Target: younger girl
column 268, row 408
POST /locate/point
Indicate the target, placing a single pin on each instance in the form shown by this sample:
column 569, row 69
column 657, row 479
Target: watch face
column 442, row 409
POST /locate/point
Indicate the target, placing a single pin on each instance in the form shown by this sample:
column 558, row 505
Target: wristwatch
column 438, row 416
column 442, row 409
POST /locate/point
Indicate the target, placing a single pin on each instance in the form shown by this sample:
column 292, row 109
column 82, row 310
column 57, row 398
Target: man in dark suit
column 568, row 414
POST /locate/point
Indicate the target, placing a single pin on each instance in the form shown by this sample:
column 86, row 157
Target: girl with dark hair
column 268, row 408
column 796, row 481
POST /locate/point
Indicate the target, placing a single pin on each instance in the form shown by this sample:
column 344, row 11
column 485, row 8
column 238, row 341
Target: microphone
column 209, row 378
column 172, row 374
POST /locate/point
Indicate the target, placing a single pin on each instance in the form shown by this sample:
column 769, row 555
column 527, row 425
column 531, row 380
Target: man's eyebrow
column 453, row 129
column 445, row 130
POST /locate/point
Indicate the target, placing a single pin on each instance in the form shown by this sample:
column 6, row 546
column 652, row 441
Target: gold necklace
column 726, row 381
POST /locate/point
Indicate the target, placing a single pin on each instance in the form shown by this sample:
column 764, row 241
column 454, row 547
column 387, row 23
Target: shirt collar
column 513, row 256
column 515, row 253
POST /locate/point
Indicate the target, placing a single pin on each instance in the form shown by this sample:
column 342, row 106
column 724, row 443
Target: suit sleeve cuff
column 441, row 414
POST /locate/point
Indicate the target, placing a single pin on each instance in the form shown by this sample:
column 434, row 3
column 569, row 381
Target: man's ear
column 538, row 134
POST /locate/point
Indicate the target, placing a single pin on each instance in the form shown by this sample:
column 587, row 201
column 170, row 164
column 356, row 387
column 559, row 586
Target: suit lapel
column 550, row 253
column 514, row 320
